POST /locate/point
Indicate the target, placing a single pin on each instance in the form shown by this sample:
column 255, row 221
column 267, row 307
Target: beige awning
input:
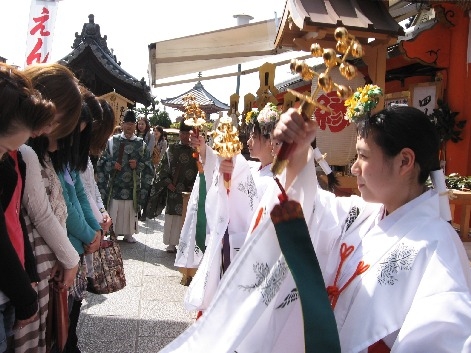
column 212, row 50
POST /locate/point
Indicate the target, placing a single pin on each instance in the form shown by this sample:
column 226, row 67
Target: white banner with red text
column 42, row 19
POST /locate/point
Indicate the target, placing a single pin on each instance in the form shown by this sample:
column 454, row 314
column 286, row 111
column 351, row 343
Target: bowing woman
column 396, row 274
column 43, row 205
column 23, row 113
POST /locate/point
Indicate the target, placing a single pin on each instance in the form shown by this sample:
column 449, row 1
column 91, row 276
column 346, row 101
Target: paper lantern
column 336, row 137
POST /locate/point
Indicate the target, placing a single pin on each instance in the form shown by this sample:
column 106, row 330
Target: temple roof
column 207, row 102
column 98, row 69
column 422, row 19
column 314, row 20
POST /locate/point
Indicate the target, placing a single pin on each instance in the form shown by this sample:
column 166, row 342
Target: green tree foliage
column 448, row 127
column 155, row 115
column 160, row 118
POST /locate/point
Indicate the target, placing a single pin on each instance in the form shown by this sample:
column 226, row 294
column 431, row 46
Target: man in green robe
column 124, row 177
column 177, row 172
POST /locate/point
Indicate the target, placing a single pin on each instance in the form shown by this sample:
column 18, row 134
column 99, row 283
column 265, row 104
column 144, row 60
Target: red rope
column 333, row 291
column 283, row 197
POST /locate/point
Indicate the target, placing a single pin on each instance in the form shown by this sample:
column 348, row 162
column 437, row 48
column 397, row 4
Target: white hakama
column 172, row 228
column 125, row 221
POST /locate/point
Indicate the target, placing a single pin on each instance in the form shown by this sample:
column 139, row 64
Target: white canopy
column 212, row 50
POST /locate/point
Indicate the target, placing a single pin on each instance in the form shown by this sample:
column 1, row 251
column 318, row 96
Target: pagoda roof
column 98, row 69
column 207, row 102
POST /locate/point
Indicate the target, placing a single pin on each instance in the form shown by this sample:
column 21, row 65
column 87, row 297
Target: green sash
column 320, row 328
column 200, row 237
column 134, row 190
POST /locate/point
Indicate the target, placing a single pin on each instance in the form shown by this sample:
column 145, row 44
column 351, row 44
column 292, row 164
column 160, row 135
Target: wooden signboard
column 118, row 103
column 397, row 98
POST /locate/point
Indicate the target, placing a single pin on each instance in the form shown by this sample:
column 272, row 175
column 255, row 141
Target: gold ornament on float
column 346, row 45
column 195, row 117
column 226, row 142
column 226, row 138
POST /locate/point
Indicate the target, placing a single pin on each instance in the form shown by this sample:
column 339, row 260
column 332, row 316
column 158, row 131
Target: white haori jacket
column 415, row 293
column 231, row 211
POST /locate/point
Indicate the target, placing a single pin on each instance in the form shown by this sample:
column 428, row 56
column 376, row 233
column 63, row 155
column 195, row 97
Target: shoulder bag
column 57, row 321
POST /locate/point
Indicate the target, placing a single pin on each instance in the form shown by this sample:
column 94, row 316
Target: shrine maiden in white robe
column 232, row 211
column 188, row 253
column 415, row 295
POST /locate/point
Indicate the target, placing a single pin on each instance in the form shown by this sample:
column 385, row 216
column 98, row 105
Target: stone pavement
column 148, row 313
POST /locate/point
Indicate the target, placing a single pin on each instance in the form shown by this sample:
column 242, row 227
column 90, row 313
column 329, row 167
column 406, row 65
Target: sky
column 131, row 26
